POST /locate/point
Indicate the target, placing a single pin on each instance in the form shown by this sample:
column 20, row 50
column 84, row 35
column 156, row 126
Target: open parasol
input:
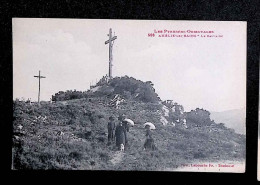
column 152, row 127
column 129, row 121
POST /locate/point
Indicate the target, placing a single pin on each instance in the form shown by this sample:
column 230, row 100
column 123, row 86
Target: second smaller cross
column 39, row 76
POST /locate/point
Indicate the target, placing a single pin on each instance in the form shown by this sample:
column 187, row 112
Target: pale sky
column 207, row 73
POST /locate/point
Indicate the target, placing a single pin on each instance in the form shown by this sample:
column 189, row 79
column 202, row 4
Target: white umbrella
column 129, row 121
column 152, row 127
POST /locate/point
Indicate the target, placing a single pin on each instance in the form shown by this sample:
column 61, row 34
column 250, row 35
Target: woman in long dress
column 149, row 142
column 120, row 135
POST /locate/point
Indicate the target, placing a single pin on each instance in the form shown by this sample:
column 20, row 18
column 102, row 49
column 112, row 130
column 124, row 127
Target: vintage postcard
column 142, row 95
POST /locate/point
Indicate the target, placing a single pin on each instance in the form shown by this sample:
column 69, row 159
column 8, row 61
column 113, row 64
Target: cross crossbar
column 114, row 38
column 40, row 76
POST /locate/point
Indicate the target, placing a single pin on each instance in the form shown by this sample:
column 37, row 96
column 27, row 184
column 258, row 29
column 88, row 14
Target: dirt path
column 117, row 158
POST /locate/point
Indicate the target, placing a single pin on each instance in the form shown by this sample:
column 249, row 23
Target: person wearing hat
column 149, row 142
column 125, row 125
column 111, row 128
column 121, row 117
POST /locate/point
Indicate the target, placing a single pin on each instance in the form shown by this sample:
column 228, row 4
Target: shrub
column 69, row 95
column 75, row 155
column 199, row 116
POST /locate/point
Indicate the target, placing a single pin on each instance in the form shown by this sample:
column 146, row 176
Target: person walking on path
column 125, row 125
column 120, row 135
column 149, row 142
column 111, row 128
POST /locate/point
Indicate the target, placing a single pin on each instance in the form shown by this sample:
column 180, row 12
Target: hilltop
column 127, row 87
column 71, row 132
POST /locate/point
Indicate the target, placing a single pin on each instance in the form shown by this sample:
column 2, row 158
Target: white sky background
column 208, row 73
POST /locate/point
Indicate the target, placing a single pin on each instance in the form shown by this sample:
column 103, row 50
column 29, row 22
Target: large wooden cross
column 110, row 41
column 39, row 84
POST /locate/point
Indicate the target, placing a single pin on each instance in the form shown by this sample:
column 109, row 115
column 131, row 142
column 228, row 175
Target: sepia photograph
column 129, row 95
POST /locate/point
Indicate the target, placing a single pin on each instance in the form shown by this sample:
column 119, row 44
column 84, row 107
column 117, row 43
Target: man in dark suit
column 111, row 128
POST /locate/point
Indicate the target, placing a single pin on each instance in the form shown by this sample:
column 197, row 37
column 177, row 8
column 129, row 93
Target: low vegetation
column 72, row 133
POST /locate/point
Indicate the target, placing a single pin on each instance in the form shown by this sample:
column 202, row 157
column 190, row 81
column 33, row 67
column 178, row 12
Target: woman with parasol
column 149, row 142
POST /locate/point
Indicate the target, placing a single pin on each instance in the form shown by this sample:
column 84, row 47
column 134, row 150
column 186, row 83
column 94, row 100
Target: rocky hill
column 71, row 132
column 127, row 87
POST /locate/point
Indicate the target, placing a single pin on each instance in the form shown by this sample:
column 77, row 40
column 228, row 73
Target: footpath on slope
column 117, row 158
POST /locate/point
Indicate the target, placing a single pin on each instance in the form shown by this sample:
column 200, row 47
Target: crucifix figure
column 111, row 42
column 39, row 84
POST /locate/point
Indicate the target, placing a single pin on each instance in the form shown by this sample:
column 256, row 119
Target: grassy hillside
column 73, row 135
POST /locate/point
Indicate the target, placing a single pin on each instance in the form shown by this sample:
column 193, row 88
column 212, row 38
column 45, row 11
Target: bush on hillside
column 68, row 95
column 200, row 117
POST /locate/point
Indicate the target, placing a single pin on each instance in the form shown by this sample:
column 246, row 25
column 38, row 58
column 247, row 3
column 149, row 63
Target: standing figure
column 125, row 125
column 120, row 135
column 149, row 142
column 111, row 128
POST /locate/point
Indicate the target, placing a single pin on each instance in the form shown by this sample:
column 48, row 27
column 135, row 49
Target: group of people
column 118, row 133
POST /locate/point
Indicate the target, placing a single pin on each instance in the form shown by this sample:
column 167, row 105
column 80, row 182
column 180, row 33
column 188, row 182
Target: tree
column 200, row 117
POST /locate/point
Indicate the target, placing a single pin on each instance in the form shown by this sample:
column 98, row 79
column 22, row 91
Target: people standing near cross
column 39, row 76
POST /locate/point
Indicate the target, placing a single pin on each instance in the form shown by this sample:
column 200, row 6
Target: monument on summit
column 111, row 43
